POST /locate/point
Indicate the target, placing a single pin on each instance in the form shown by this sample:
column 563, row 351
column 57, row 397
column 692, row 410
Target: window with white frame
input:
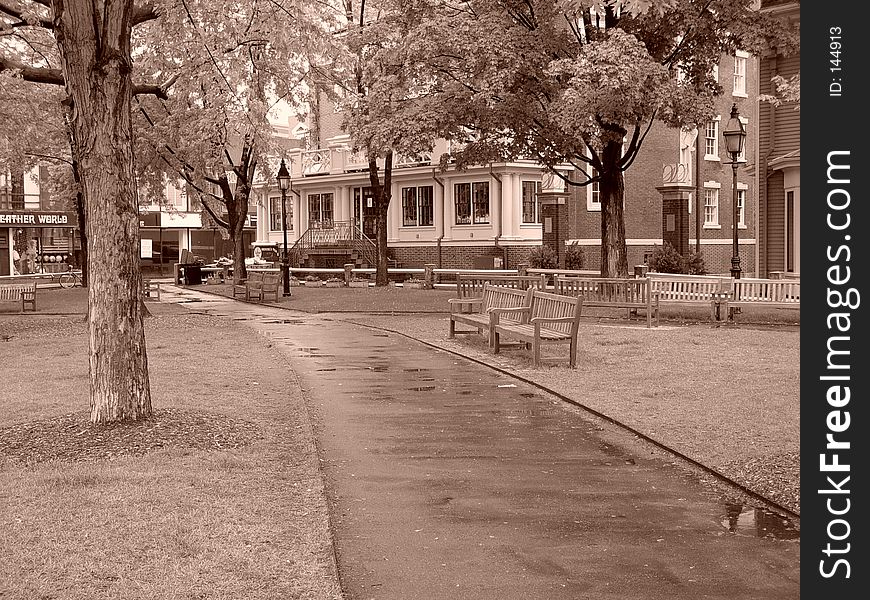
column 417, row 208
column 593, row 192
column 742, row 156
column 275, row 214
column 531, row 202
column 176, row 193
column 740, row 59
column 711, row 206
column 711, row 140
column 320, row 209
column 741, row 207
column 472, row 202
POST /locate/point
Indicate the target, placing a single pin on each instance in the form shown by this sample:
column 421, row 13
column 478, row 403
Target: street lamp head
column 735, row 134
column 283, row 177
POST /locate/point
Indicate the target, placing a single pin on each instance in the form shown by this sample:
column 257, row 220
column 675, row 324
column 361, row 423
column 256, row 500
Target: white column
column 394, row 212
column 510, row 202
column 446, row 208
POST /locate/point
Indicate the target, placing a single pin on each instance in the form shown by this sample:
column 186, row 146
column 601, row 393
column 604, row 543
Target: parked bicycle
column 70, row 278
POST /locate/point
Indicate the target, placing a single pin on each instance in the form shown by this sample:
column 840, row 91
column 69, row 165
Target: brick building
column 779, row 159
column 491, row 216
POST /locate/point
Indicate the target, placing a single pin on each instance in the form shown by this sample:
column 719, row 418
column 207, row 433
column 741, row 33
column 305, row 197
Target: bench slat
column 537, row 330
column 478, row 313
column 23, row 293
column 616, row 292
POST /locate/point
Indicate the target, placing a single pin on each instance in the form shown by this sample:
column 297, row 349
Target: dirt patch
column 74, row 438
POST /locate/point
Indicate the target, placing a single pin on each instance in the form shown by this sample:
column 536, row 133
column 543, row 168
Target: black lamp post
column 284, row 184
column 735, row 137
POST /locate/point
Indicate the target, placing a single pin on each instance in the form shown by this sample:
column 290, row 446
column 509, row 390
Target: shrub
column 693, row 264
column 542, row 257
column 574, row 257
column 666, row 259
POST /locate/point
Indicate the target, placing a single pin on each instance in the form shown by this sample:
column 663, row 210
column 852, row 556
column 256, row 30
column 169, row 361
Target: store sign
column 37, row 219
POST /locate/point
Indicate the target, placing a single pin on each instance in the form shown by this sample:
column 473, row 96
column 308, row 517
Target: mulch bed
column 74, row 438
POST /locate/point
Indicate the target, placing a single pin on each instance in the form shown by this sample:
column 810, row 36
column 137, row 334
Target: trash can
column 193, row 275
column 189, row 275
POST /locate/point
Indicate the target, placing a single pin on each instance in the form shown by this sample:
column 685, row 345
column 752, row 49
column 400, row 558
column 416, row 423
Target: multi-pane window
column 593, row 192
column 740, row 74
column 742, row 156
column 472, row 202
column 711, row 207
column 417, row 206
column 320, row 209
column 176, row 194
column 275, row 214
column 711, row 140
column 741, row 208
column 531, row 202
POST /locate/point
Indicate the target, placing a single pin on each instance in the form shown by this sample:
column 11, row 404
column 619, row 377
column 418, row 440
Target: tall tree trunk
column 94, row 43
column 614, row 257
column 236, row 231
column 79, row 202
column 382, row 196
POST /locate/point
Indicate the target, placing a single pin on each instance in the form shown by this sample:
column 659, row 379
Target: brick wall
column 458, row 257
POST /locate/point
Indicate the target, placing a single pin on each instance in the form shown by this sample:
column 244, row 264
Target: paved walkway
column 448, row 480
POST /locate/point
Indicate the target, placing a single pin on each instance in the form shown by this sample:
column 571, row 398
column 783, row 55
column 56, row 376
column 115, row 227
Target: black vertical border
column 833, row 120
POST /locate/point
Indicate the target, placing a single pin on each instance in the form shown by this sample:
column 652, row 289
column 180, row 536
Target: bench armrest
column 552, row 320
column 465, row 300
column 495, row 312
column 516, row 309
column 463, row 305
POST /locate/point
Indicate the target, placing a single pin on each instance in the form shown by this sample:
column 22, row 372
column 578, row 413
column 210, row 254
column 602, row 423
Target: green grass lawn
column 176, row 520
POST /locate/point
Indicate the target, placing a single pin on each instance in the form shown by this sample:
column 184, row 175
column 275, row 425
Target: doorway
column 364, row 213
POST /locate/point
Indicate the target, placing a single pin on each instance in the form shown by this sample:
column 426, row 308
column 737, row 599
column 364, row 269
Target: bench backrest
column 766, row 290
column 471, row 286
column 271, row 281
column 496, row 296
column 610, row 289
column 687, row 287
column 256, row 277
column 12, row 291
column 545, row 304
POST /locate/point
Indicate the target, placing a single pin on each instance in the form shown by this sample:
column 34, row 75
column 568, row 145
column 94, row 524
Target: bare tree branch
column 16, row 13
column 55, row 77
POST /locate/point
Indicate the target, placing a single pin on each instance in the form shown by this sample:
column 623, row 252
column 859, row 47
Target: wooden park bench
column 251, row 284
column 22, row 293
column 701, row 290
column 611, row 292
column 270, row 284
column 775, row 293
column 476, row 311
column 471, row 286
column 150, row 289
column 547, row 319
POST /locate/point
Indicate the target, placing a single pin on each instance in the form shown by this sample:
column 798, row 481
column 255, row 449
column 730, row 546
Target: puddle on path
column 749, row 520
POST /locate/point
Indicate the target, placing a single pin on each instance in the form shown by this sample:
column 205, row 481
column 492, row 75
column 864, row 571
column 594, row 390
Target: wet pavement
column 449, row 480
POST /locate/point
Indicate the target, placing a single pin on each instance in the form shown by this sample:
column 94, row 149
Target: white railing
column 677, row 173
column 316, row 162
column 421, row 158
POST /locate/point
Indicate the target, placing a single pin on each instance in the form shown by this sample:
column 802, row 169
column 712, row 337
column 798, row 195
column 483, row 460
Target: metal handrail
column 339, row 233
